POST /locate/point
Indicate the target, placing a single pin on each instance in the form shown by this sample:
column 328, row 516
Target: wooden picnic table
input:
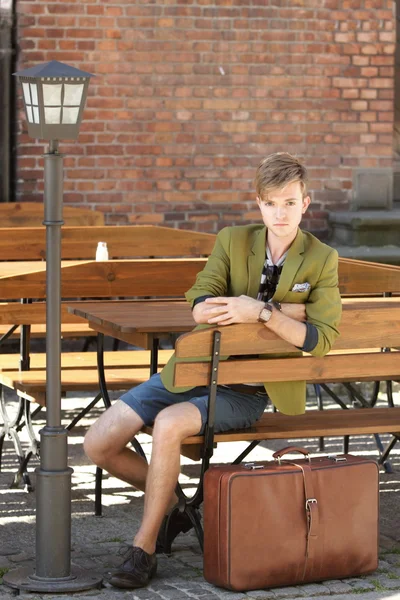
column 138, row 322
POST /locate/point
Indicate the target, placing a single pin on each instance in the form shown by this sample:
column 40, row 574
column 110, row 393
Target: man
column 273, row 273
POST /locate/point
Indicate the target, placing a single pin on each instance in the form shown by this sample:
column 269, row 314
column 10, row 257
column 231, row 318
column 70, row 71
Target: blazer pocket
column 296, row 297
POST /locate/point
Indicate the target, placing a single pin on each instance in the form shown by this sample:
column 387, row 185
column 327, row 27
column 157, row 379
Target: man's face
column 283, row 209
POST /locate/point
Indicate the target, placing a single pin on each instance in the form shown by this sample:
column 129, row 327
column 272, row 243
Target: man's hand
column 294, row 311
column 226, row 311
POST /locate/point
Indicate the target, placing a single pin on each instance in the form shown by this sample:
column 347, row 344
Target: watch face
column 265, row 315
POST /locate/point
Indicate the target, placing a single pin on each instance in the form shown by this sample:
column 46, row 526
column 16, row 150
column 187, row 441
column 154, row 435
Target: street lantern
column 54, row 96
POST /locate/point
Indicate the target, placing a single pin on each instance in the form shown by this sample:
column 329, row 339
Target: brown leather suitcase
column 290, row 521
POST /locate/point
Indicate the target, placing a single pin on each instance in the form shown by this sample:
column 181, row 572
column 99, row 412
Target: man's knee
column 109, row 435
column 93, row 446
column 177, row 422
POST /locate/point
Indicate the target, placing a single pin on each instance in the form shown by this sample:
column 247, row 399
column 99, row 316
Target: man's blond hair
column 277, row 170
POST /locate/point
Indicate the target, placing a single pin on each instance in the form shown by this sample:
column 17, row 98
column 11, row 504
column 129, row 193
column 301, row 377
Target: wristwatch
column 266, row 313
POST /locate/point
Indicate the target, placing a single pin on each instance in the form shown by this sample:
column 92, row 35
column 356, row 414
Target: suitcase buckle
column 310, row 501
column 252, row 466
column 337, row 458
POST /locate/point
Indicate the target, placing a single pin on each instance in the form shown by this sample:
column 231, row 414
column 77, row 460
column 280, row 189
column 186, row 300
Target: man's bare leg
column 106, row 445
column 172, row 425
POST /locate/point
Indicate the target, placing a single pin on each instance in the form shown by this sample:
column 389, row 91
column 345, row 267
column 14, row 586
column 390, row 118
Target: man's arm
column 226, row 311
column 323, row 311
column 214, row 278
column 324, row 306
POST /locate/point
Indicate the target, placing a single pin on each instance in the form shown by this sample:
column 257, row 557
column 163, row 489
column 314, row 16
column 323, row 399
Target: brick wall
column 189, row 95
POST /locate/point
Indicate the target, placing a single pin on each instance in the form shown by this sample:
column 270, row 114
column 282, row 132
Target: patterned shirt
column 270, row 277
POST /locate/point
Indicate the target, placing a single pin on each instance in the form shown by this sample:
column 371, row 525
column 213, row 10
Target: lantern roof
column 54, row 68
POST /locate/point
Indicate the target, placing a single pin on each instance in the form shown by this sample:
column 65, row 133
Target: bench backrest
column 135, row 241
column 362, row 277
column 366, row 324
column 31, row 214
column 128, row 278
column 355, row 277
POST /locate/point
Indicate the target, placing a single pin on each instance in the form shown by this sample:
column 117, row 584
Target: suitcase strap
column 312, row 512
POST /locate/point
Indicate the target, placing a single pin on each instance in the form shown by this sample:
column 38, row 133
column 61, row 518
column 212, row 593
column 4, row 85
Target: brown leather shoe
column 136, row 570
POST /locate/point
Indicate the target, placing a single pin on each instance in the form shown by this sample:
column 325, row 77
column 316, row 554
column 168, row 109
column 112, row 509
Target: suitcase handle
column 289, row 450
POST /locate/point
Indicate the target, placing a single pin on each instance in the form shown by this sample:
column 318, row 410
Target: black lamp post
column 54, row 97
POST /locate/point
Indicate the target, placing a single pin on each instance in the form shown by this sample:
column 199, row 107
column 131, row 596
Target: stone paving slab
column 98, row 543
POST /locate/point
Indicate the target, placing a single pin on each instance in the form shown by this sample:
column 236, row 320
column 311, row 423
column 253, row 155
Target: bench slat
column 15, row 313
column 313, row 423
column 360, row 327
column 136, row 241
column 331, row 368
column 67, row 330
column 33, row 382
column 367, row 278
column 86, row 360
column 31, row 214
column 151, row 277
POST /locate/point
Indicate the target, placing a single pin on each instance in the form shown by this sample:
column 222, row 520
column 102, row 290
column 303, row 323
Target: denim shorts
column 233, row 410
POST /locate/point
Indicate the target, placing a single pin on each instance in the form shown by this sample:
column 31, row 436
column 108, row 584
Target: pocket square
column 301, row 287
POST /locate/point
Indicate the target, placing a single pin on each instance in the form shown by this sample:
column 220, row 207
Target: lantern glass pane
column 34, row 94
column 36, row 114
column 29, row 113
column 52, row 115
column 70, row 115
column 52, row 94
column 27, row 94
column 72, row 94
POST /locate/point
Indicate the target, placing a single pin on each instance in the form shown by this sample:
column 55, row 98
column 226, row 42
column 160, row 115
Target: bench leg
column 389, row 393
column 383, row 457
column 320, row 404
column 86, row 344
column 10, row 429
column 98, row 509
column 243, row 455
column 360, row 402
column 83, row 412
column 194, row 515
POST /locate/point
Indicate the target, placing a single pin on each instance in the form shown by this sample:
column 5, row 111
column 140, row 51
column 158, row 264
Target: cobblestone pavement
column 97, row 543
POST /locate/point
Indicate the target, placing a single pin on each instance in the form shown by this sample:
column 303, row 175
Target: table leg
column 25, row 342
column 100, row 369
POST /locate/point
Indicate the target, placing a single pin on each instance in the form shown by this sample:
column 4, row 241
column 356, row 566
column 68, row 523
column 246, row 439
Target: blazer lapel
column 292, row 263
column 255, row 263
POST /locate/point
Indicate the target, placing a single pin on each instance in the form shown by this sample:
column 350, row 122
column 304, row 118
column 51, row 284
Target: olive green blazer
column 235, row 267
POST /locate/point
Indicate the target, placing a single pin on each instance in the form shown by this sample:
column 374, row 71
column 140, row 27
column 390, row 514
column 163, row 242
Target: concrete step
column 383, row 254
column 365, row 227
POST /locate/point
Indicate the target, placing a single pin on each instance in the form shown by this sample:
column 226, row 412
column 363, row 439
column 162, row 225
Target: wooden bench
column 135, row 241
column 166, row 278
column 360, row 330
column 31, row 214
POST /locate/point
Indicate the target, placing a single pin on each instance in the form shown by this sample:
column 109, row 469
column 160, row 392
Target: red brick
column 168, row 138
